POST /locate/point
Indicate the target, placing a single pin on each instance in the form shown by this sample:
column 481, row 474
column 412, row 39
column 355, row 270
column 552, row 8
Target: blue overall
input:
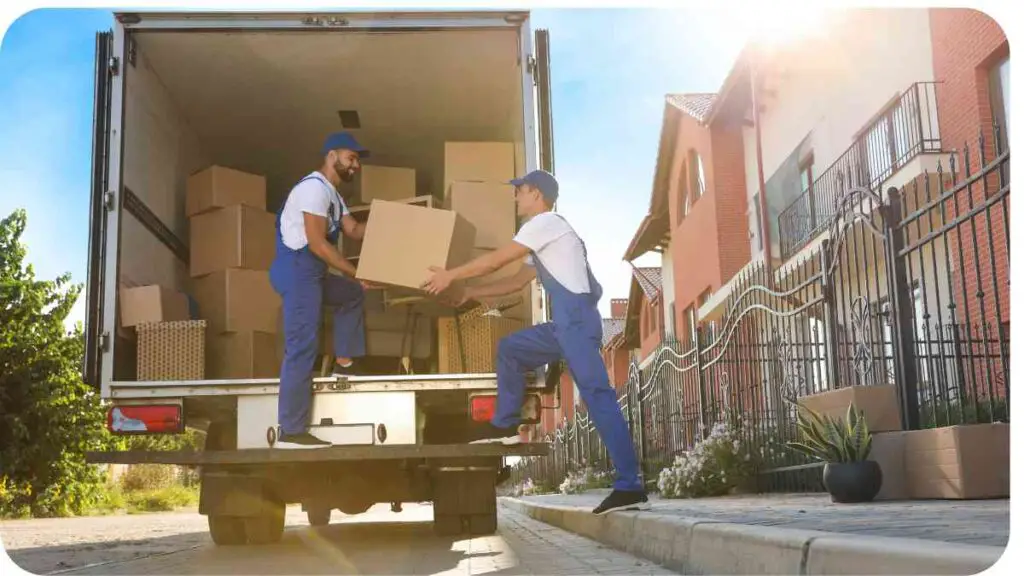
column 574, row 334
column 302, row 280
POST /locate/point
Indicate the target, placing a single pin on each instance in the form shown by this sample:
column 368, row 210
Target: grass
column 165, row 499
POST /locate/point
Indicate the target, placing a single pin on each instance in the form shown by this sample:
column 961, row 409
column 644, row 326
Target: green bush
column 142, row 477
column 49, row 418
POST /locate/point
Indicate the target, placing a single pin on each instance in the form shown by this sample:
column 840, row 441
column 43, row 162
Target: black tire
column 227, row 530
column 268, row 527
column 319, row 516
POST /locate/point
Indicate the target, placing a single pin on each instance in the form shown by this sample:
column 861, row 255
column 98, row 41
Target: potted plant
column 844, row 447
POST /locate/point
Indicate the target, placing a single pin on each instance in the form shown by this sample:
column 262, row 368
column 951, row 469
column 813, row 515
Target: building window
column 682, row 207
column 697, row 181
column 755, row 234
column 999, row 94
column 670, row 329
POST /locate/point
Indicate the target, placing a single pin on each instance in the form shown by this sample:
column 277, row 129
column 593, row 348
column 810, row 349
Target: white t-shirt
column 559, row 248
column 317, row 196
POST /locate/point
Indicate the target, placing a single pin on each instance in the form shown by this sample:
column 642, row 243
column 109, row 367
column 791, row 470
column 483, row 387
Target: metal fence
column 910, row 289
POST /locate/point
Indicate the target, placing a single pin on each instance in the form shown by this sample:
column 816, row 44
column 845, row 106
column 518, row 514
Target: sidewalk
column 792, row 533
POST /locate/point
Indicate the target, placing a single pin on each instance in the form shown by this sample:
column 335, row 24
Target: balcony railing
column 905, row 129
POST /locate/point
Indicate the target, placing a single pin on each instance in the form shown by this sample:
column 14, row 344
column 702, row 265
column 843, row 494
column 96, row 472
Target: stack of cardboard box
column 170, row 344
column 476, row 187
column 232, row 243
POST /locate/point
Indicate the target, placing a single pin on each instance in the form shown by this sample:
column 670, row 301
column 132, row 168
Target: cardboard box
column 478, row 162
column 152, row 303
column 386, row 183
column 242, row 355
column 403, row 241
column 889, row 450
column 470, row 345
column 219, row 187
column 232, row 237
column 879, row 404
column 490, row 208
column 238, row 300
column 171, row 350
column 350, row 248
column 959, row 462
column 388, row 342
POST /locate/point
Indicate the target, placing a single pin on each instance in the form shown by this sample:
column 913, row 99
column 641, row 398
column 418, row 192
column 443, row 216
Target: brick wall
column 711, row 243
column 966, row 45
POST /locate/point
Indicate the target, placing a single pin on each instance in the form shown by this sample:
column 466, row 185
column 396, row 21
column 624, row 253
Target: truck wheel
column 465, row 502
column 227, row 530
column 318, row 516
column 267, row 527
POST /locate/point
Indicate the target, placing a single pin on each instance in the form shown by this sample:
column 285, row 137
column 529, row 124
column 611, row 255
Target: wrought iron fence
column 905, row 129
column 909, row 290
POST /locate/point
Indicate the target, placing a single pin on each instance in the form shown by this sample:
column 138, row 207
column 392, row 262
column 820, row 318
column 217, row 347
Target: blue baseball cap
column 541, row 180
column 345, row 140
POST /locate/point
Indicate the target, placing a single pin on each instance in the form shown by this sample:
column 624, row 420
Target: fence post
column 641, row 422
column 831, row 309
column 905, row 360
column 702, row 398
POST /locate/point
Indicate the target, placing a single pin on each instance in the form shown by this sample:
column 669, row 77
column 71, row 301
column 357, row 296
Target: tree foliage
column 49, row 417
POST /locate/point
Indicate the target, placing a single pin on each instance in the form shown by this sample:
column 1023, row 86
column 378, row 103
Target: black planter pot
column 853, row 482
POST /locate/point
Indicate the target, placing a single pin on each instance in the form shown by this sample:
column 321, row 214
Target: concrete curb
column 700, row 546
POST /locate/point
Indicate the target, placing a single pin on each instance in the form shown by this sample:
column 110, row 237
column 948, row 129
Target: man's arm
column 352, row 228
column 316, row 235
column 490, row 262
column 509, row 285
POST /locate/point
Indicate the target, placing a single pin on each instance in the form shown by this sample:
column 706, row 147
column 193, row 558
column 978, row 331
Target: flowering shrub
column 579, row 481
column 715, row 466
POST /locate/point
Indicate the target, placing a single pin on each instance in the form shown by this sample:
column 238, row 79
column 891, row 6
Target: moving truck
column 257, row 92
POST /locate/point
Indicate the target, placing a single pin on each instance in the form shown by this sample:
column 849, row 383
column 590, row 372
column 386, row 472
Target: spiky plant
column 831, row 440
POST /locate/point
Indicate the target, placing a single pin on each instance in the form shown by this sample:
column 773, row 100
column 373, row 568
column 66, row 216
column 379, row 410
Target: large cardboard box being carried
column 238, row 300
column 386, row 183
column 232, row 237
column 959, row 462
column 234, row 355
column 879, row 404
column 489, row 207
column 351, row 248
column 403, row 241
column 478, row 162
column 152, row 303
column 219, row 187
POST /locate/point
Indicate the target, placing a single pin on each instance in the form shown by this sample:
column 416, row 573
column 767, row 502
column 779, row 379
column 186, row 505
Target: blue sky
column 611, row 70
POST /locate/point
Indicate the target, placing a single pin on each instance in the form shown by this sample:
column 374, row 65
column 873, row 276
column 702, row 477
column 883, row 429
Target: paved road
column 378, row 542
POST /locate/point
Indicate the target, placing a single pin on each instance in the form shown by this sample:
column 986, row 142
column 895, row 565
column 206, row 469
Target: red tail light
column 162, row 419
column 482, row 407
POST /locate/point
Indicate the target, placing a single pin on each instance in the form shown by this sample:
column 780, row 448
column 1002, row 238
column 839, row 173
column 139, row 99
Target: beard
column 346, row 174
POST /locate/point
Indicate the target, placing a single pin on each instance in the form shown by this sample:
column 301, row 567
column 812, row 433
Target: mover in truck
column 203, row 122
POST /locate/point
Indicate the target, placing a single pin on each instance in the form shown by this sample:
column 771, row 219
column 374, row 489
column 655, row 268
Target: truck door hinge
column 108, row 201
column 132, row 50
column 114, row 66
column 104, row 343
column 531, row 64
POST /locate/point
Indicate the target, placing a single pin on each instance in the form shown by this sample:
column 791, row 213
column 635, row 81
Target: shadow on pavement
column 344, row 548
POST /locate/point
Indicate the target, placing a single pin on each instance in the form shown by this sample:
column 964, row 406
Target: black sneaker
column 623, row 500
column 343, row 371
column 300, row 441
column 488, row 433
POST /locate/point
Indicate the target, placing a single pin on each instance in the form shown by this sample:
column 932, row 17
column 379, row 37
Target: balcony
column 906, row 129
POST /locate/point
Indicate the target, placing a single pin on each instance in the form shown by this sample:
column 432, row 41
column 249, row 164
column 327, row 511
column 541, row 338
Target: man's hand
column 367, row 285
column 439, row 281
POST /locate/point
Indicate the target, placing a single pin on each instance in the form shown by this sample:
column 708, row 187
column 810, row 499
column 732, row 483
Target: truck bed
column 330, row 454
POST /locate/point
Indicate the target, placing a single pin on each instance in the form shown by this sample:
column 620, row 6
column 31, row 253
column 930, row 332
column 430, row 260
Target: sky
column 611, row 69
